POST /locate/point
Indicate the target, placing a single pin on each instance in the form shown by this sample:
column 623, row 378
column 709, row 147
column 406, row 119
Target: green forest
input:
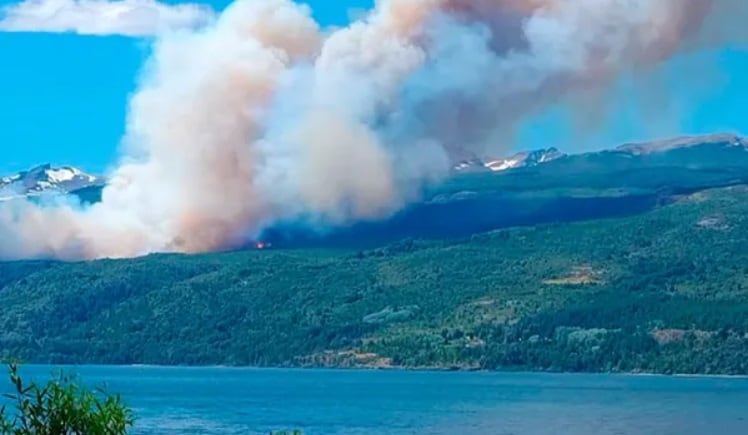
column 665, row 291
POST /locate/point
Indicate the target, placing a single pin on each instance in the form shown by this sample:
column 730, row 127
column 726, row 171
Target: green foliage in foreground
column 61, row 407
column 665, row 291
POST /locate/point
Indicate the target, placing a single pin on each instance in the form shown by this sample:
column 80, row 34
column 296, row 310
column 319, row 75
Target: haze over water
column 249, row 401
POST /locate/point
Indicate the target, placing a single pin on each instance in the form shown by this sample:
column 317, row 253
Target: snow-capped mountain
column 711, row 146
column 715, row 150
column 46, row 179
column 520, row 160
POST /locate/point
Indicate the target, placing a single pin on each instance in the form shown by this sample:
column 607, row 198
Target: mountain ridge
column 590, row 262
column 67, row 179
column 540, row 156
column 635, row 294
column 47, row 179
column 664, row 145
column 612, row 183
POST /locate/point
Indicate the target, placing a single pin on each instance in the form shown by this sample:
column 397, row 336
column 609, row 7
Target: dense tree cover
column 665, row 291
column 61, row 407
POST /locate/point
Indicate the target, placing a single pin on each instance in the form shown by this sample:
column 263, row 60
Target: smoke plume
column 263, row 116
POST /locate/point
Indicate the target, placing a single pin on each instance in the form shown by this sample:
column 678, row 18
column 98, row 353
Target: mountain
column 657, row 150
column 46, row 179
column 519, row 160
column 663, row 291
column 530, row 188
column 623, row 260
column 624, row 181
column 662, row 146
column 708, row 151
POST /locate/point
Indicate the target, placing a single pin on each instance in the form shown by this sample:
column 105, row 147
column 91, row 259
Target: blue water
column 255, row 401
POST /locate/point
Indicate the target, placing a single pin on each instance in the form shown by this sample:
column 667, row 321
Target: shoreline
column 389, row 369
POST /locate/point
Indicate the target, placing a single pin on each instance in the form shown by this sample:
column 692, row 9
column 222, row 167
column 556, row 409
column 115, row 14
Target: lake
column 247, row 401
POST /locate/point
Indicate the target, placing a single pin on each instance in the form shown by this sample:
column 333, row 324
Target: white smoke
column 101, row 17
column 263, row 117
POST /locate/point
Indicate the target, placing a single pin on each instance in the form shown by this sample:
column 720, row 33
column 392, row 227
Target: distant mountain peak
column 723, row 139
column 541, row 156
column 46, row 178
column 520, row 160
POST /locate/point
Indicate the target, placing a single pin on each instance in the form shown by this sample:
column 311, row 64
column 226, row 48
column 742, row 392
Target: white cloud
column 102, row 17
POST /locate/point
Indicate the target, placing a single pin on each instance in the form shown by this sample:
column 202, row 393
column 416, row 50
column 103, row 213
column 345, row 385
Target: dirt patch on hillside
column 579, row 275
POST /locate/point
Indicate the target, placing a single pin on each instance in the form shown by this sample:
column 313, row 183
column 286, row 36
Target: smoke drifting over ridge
column 262, row 116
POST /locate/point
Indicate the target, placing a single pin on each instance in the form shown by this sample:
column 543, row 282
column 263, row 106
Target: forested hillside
column 625, row 181
column 664, row 291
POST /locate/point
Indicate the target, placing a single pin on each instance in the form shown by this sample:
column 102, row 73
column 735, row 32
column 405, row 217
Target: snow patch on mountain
column 519, row 160
column 46, row 179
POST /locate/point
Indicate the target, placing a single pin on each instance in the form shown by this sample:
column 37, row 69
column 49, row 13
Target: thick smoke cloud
column 264, row 117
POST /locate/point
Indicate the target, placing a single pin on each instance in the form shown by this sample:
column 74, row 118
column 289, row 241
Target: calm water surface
column 254, row 401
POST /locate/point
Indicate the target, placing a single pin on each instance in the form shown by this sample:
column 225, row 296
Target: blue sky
column 700, row 93
column 63, row 97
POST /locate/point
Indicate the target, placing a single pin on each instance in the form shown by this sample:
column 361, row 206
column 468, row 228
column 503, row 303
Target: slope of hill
column 663, row 291
column 629, row 180
column 687, row 163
